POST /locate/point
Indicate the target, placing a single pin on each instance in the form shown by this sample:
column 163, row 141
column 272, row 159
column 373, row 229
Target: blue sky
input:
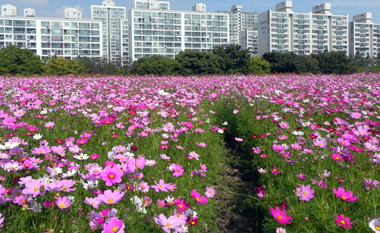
column 54, row 8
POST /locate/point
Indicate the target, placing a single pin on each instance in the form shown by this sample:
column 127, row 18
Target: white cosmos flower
column 225, row 123
column 82, row 156
column 141, row 209
column 9, row 145
column 37, row 136
column 220, row 131
column 375, row 225
column 43, row 112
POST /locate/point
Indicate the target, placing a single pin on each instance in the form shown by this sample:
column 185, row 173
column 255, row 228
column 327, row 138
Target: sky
column 54, row 8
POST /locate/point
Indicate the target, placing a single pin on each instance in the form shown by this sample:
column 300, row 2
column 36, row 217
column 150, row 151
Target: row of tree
column 231, row 59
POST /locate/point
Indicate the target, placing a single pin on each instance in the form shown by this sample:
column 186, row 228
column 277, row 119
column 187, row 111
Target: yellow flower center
column 111, row 176
column 114, row 229
column 36, row 189
column 342, row 221
column 279, row 217
column 110, row 200
column 168, row 225
column 344, row 198
column 62, row 205
column 377, row 228
column 180, row 206
column 304, row 193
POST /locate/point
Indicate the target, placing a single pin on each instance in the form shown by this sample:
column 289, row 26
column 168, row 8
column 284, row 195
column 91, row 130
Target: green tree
column 359, row 59
column 159, row 65
column 235, row 59
column 14, row 60
column 258, row 65
column 192, row 62
column 60, row 66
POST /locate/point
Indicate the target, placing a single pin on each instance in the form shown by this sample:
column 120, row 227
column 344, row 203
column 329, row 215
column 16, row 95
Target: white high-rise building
column 124, row 42
column 283, row 30
column 151, row 4
column 73, row 13
column 240, row 21
column 167, row 32
column 46, row 37
column 249, row 39
column 111, row 17
column 364, row 35
column 9, row 10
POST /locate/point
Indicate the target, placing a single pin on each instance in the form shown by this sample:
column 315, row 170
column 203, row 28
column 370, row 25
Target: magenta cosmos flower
column 343, row 221
column 280, row 215
column 305, row 193
column 110, row 198
column 63, row 202
column 161, row 186
column 198, row 198
column 111, row 175
column 345, row 196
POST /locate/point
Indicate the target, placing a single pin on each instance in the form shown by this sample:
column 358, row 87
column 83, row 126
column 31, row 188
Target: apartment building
column 240, row 21
column 155, row 31
column 364, row 36
column 110, row 16
column 249, row 39
column 284, row 31
column 68, row 37
column 124, row 42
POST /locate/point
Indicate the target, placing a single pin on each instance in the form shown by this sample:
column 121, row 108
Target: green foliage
column 291, row 63
column 14, row 60
column 97, row 65
column 60, row 66
column 335, row 63
column 258, row 65
column 194, row 63
column 235, row 59
column 326, row 63
column 159, row 65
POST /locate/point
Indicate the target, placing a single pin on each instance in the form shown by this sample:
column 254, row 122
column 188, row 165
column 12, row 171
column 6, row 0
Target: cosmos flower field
column 143, row 154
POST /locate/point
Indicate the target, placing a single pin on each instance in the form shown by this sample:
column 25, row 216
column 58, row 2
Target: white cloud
column 60, row 13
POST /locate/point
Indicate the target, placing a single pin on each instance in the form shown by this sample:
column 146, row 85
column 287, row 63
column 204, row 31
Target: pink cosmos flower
column 275, row 170
column 280, row 215
column 94, row 202
column 280, row 230
column 177, row 170
column 161, row 186
column 343, row 221
column 371, row 184
column 301, row 176
column 336, row 156
column 345, row 196
column 143, row 187
column 210, row 192
column 193, row 155
column 181, row 204
column 161, row 203
column 198, row 198
column 305, row 193
column 111, row 175
column 238, row 139
column 63, row 202
column 322, row 184
column 114, row 226
column 167, row 223
column 110, row 198
column 284, row 125
column 320, row 142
